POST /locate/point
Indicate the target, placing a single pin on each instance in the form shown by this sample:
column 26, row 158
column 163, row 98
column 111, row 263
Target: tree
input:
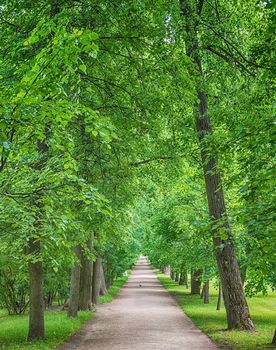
column 236, row 306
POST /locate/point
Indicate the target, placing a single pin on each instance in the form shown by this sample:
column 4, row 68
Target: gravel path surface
column 140, row 318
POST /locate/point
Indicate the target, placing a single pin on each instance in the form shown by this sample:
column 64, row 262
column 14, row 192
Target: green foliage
column 14, row 288
column 173, row 224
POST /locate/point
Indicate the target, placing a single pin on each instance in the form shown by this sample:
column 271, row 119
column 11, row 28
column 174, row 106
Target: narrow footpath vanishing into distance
column 140, row 318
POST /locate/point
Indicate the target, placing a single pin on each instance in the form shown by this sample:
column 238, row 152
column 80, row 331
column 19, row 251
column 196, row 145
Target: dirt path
column 140, row 318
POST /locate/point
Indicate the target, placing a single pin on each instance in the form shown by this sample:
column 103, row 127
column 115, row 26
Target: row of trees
column 103, row 101
column 232, row 82
column 63, row 158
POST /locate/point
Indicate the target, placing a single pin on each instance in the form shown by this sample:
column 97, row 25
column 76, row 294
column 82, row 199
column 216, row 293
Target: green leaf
column 83, row 68
column 6, row 145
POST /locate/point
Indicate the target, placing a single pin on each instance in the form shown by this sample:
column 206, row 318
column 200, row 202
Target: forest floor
column 140, row 318
column 58, row 327
column 213, row 322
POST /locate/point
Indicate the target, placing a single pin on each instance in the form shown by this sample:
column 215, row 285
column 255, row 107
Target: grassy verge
column 14, row 329
column 213, row 323
column 58, row 327
column 113, row 290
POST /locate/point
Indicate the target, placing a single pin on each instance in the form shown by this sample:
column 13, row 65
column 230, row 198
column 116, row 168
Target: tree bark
column 181, row 279
column 36, row 315
column 274, row 338
column 172, row 274
column 103, row 289
column 243, row 271
column 186, row 279
column 96, row 280
column 219, row 297
column 195, row 282
column 206, row 293
column 250, row 233
column 75, row 284
column 109, row 282
column 176, row 277
column 202, row 292
column 234, row 300
column 85, row 293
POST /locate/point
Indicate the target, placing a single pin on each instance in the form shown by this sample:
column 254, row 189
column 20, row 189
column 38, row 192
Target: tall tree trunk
column 85, row 293
column 36, row 315
column 176, row 277
column 251, row 202
column 96, row 280
column 206, row 292
column 181, row 279
column 274, row 338
column 202, row 292
column 195, row 281
column 243, row 271
column 75, row 284
column 109, row 282
column 172, row 274
column 234, row 300
column 235, row 303
column 103, row 289
column 219, row 297
column 186, row 282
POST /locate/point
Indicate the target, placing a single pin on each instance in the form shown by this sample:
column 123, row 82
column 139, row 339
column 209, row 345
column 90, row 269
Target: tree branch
column 200, row 7
column 228, row 57
column 146, row 161
column 228, row 43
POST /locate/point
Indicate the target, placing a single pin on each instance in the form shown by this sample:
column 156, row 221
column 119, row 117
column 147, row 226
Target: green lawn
column 14, row 329
column 213, row 323
column 113, row 290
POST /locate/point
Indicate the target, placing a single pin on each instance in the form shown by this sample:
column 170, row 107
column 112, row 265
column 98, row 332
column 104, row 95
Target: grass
column 213, row 322
column 14, row 330
column 114, row 289
column 58, row 327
